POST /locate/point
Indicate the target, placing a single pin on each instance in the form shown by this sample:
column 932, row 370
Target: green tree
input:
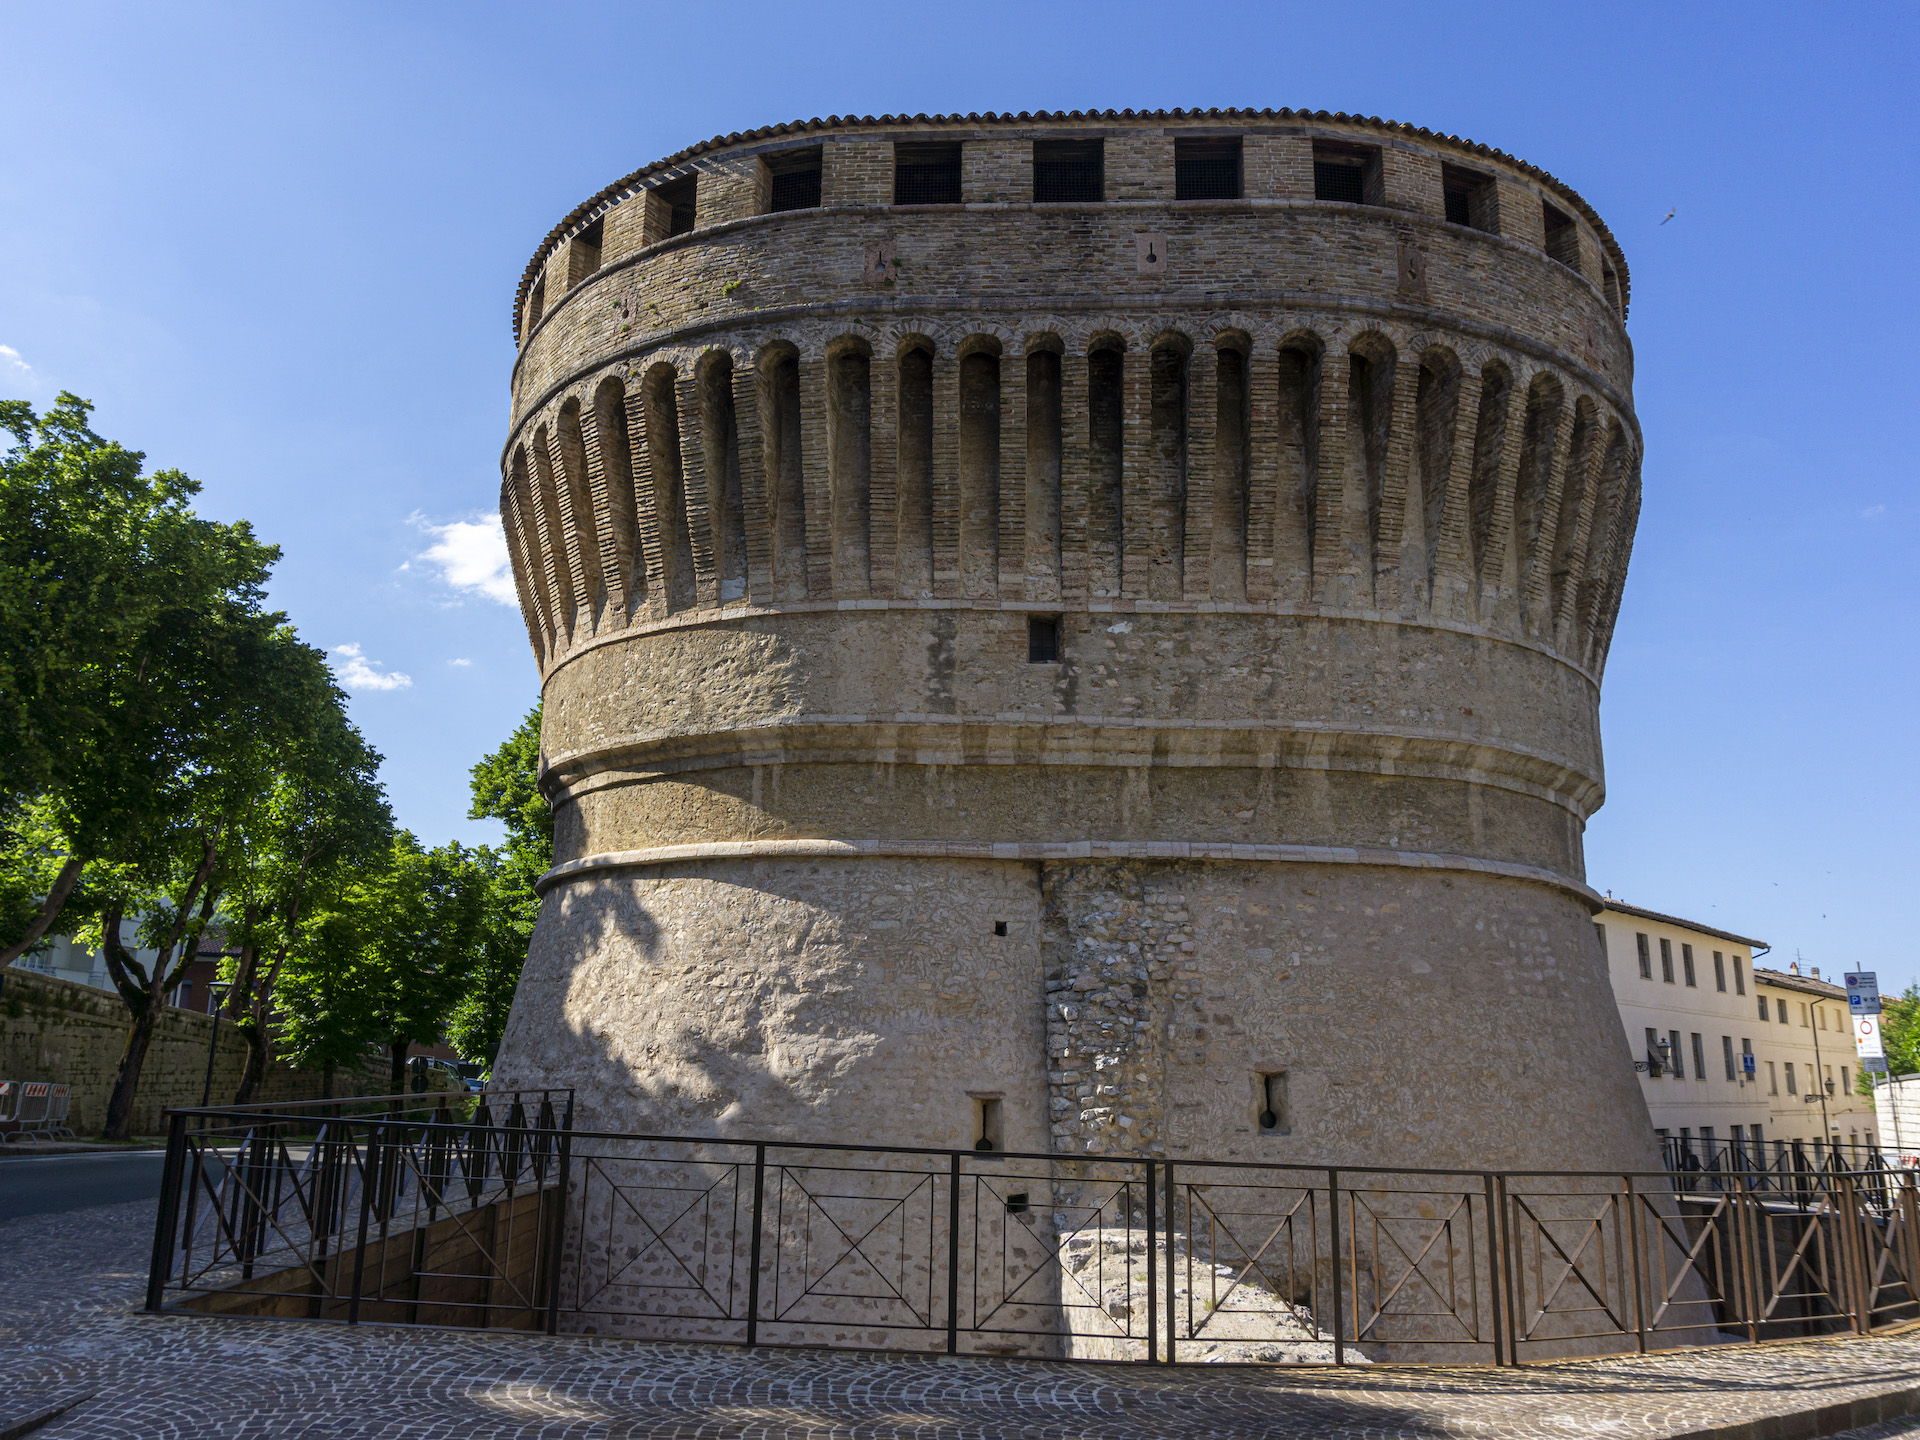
column 1899, row 1035
column 506, row 788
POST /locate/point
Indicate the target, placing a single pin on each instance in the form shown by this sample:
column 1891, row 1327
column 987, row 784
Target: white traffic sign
column 1863, row 992
column 1866, row 1036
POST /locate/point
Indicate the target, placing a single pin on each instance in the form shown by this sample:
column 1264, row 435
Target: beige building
column 1695, row 1008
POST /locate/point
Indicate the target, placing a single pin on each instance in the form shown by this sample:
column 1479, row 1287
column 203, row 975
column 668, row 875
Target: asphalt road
column 49, row 1184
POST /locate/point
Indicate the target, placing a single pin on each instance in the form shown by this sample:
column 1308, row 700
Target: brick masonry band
column 1081, row 633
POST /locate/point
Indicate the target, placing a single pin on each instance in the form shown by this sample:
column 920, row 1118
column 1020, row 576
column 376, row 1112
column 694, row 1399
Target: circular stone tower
column 1078, row 630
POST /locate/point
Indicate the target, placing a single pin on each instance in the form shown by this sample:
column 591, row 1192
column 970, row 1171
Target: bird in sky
column 1670, row 214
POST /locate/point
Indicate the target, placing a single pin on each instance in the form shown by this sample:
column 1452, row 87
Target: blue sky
column 277, row 245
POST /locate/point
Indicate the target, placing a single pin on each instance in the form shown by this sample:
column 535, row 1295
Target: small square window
column 1068, row 170
column 1469, row 198
column 1206, row 169
column 1043, row 640
column 999, row 927
column 1563, row 236
column 680, row 197
column 926, row 173
column 794, row 180
column 1349, row 174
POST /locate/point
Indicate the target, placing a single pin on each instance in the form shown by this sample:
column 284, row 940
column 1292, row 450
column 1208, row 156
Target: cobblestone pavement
column 69, row 1285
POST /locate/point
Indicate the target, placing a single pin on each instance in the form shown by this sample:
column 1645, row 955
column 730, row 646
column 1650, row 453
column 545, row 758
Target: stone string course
column 70, row 1336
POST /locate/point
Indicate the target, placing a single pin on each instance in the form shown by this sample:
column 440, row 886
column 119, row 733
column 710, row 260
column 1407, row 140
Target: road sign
column 1748, row 1064
column 1866, row 1037
column 1863, row 992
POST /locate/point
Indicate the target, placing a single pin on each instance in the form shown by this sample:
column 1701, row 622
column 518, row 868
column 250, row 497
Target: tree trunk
column 127, row 1083
column 50, row 909
column 255, row 1035
column 397, row 1048
column 326, row 1081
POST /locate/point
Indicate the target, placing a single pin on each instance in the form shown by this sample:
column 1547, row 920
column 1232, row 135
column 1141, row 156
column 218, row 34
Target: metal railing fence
column 493, row 1211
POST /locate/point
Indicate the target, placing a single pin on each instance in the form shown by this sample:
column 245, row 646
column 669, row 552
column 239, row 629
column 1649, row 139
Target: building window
column 1758, row 1140
column 1646, row 957
column 794, row 180
column 1773, row 1079
column 1699, row 1058
column 1780, row 1008
column 1679, row 1061
column 680, row 197
column 1739, row 977
column 1765, row 1014
column 1806, row 1022
column 1820, row 1010
column 1270, row 1096
column 1065, row 171
column 986, row 1123
column 583, row 251
column 1347, row 173
column 1746, row 1058
column 1206, row 169
column 1719, row 972
column 537, row 302
column 1563, row 238
column 1788, row 1067
column 926, row 173
column 1666, row 959
column 1726, row 1053
column 1655, row 1066
column 1043, row 640
column 1469, row 198
column 1686, row 965
column 1600, row 934
column 1846, row 1084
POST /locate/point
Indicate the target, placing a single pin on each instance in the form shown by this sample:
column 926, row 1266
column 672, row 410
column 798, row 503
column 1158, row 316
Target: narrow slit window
column 1646, row 957
column 1206, row 169
column 986, row 1123
column 1349, row 174
column 1666, row 960
column 583, row 252
column 999, row 927
column 793, row 178
column 1719, row 972
column 681, row 199
column 1656, row 1064
column 537, row 302
column 926, row 173
column 1068, row 170
column 1043, row 640
column 1739, row 977
column 1686, row 966
column 1726, row 1054
column 1272, row 1117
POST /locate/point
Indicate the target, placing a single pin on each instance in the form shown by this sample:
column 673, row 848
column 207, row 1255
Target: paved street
column 70, row 1285
column 52, row 1184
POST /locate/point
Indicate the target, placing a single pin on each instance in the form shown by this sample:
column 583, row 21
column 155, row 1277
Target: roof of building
column 1620, row 907
column 1806, row 984
column 658, row 169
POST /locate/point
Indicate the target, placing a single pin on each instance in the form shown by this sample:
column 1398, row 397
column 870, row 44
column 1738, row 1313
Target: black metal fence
column 492, row 1211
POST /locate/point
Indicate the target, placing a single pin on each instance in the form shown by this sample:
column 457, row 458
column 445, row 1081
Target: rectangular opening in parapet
column 1469, row 198
column 680, row 197
column 1207, row 168
column 537, row 302
column 1043, row 639
column 1000, row 927
column 1563, row 239
column 583, row 251
column 1347, row 173
column 987, row 1134
column 794, row 179
column 1068, row 170
column 1271, row 1115
column 926, row 173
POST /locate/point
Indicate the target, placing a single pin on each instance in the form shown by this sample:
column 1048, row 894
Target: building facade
column 1695, row 1007
column 1077, row 633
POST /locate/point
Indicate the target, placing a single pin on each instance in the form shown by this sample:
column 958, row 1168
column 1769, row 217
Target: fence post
column 953, row 1253
column 1153, row 1275
column 369, row 1177
column 1339, row 1299
column 1635, row 1259
column 1746, row 1290
column 1496, row 1284
column 557, row 1226
column 753, row 1261
column 171, row 1171
column 1858, row 1223
column 1173, row 1311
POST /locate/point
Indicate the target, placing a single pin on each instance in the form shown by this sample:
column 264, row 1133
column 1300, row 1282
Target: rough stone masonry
column 1082, row 631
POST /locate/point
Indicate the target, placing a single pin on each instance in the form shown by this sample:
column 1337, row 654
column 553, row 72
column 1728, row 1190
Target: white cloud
column 461, row 662
column 1873, row 510
column 12, row 365
column 471, row 555
column 358, row 673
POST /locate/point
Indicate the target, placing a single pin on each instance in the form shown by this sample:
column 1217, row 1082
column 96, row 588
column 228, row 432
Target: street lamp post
column 218, row 989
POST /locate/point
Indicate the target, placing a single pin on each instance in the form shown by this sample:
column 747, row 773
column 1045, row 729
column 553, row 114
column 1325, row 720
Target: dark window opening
column 1719, row 971
column 537, row 302
column 1699, row 1059
column 1018, row 1203
column 586, row 249
column 1739, row 978
column 1610, row 287
column 1677, row 1061
column 679, row 196
column 986, row 1124
column 999, row 927
column 1656, row 1057
column 1646, row 958
column 1347, row 173
column 796, row 180
column 926, row 173
column 1206, row 169
column 1043, row 640
column 1563, row 238
column 1068, row 170
column 1686, row 966
column 1270, row 1092
column 1666, row 961
column 1469, row 197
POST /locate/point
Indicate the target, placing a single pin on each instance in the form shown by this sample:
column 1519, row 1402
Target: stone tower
column 1078, row 630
